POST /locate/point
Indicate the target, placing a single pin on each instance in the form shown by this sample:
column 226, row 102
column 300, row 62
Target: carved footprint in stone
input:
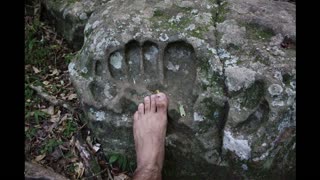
column 139, row 69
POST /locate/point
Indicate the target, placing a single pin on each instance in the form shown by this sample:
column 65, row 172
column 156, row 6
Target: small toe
column 161, row 102
column 147, row 104
column 153, row 103
column 141, row 109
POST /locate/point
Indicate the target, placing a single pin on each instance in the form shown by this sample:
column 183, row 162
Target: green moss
column 258, row 32
column 165, row 24
column 287, row 79
column 222, row 11
column 160, row 20
column 158, row 13
column 219, row 13
column 198, row 32
column 213, row 115
column 215, row 80
column 252, row 95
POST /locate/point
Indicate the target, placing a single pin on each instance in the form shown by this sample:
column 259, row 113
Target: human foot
column 149, row 130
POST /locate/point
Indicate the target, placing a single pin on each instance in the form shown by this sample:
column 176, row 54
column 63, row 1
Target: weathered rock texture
column 69, row 17
column 229, row 64
column 36, row 171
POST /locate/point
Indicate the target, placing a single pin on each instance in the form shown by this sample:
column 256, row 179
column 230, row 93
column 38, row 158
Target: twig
column 96, row 174
column 52, row 99
column 87, row 158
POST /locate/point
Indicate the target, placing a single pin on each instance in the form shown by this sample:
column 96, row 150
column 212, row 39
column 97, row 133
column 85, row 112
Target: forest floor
column 55, row 136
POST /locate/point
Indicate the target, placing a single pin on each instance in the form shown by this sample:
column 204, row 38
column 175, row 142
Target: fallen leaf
column 55, row 72
column 72, row 96
column 74, row 159
column 79, row 169
column 121, row 176
column 56, row 117
column 56, row 154
column 36, row 70
column 27, row 66
column 37, row 126
column 45, row 82
column 49, row 110
column 40, row 157
column 96, row 147
column 89, row 141
column 65, row 117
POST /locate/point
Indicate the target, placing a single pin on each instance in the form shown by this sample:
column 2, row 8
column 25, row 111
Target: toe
column 135, row 120
column 135, row 117
column 141, row 109
column 153, row 103
column 147, row 104
column 161, row 102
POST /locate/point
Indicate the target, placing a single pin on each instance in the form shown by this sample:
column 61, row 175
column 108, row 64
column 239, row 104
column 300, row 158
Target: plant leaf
column 124, row 164
column 40, row 157
column 113, row 158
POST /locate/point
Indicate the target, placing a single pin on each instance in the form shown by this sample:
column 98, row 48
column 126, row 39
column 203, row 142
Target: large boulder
column 229, row 65
column 69, row 17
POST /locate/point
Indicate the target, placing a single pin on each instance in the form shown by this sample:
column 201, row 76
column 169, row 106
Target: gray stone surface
column 70, row 16
column 229, row 64
column 35, row 171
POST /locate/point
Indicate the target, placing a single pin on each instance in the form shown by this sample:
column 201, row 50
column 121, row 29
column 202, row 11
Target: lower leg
column 149, row 128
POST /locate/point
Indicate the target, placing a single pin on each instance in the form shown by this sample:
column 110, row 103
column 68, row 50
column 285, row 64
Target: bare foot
column 149, row 130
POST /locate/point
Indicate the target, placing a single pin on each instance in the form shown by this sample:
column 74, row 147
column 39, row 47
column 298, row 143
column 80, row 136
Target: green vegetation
column 122, row 161
column 253, row 95
column 70, row 128
column 258, row 32
column 50, row 145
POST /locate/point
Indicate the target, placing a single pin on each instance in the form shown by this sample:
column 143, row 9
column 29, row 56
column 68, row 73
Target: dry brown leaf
column 72, row 141
column 74, row 159
column 63, row 96
column 49, row 110
column 121, row 176
column 35, row 70
column 55, row 72
column 56, row 117
column 40, row 157
column 45, row 82
column 79, row 169
column 72, row 96
column 37, row 126
column 27, row 66
column 65, row 117
column 89, row 141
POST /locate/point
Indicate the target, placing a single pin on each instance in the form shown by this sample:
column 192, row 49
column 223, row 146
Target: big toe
column 162, row 102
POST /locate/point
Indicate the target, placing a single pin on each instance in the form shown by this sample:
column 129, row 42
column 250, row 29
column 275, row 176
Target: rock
column 70, row 17
column 35, row 171
column 238, row 78
column 217, row 60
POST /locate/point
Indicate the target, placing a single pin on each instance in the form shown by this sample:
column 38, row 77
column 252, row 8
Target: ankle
column 148, row 172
